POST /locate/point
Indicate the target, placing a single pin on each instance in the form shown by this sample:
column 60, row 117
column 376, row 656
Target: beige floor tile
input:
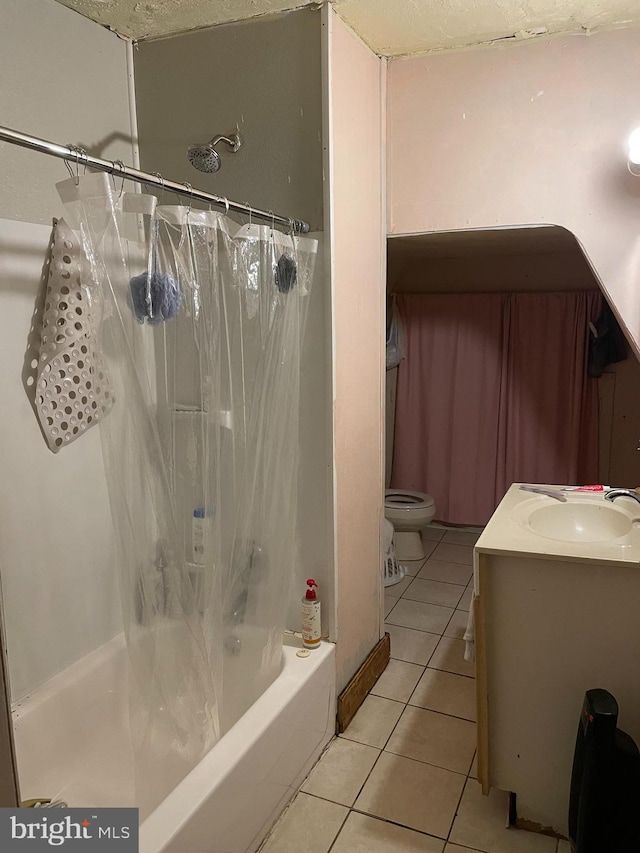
column 457, row 625
column 398, row 588
column 461, row 537
column 412, row 567
column 437, row 739
column 398, row 680
column 412, row 646
column 432, row 534
column 364, row 834
column 480, row 823
column 429, row 546
column 474, row 767
column 411, row 793
column 449, row 656
column 342, row 771
column 374, row 721
column 465, row 601
column 564, row 847
column 390, row 602
column 420, row 615
column 439, row 570
column 454, row 553
column 309, row 825
column 454, row 848
column 446, row 693
column 434, row 592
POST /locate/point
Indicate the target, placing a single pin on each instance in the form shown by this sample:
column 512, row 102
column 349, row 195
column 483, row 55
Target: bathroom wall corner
column 354, row 170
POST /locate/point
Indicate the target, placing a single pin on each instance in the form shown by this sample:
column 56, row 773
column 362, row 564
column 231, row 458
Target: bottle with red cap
column 311, row 629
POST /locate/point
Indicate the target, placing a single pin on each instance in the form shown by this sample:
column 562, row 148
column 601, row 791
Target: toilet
column 409, row 512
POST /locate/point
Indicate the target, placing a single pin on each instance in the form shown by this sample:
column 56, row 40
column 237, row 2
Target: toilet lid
column 403, row 499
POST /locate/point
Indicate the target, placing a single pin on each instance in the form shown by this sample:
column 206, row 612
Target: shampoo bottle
column 198, row 536
column 311, row 633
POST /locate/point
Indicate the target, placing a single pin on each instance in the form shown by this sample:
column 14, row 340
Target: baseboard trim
column 357, row 689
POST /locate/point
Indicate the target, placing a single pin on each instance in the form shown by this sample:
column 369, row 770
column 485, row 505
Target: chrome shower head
column 204, row 157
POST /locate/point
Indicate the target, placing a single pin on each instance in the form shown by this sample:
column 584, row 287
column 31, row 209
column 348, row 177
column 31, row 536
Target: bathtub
column 72, row 742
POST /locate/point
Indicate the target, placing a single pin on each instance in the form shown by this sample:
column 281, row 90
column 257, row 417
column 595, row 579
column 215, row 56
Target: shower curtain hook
column 121, row 168
column 190, row 188
column 161, row 179
column 250, row 212
column 69, row 169
column 226, row 206
column 76, row 177
column 86, row 157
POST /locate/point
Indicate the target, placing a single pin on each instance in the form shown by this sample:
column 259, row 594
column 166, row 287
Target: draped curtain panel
column 493, row 390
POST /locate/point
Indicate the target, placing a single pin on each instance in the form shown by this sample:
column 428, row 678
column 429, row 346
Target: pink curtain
column 493, row 390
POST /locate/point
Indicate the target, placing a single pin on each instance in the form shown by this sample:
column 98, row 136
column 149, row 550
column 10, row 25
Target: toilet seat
column 403, row 500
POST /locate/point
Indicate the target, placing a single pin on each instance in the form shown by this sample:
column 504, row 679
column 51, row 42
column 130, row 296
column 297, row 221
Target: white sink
column 580, row 522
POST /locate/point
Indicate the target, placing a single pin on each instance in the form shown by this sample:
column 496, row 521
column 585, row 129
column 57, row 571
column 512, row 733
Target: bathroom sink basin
column 580, row 522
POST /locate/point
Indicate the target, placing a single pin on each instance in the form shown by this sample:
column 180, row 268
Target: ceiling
column 488, row 260
column 525, row 240
column 389, row 27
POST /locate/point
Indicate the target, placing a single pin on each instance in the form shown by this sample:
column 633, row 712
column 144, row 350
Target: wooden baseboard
column 357, row 689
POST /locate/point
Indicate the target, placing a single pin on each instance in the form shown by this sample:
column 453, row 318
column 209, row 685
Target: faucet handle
column 612, row 494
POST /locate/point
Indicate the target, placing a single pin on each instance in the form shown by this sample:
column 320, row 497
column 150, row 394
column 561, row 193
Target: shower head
column 204, row 157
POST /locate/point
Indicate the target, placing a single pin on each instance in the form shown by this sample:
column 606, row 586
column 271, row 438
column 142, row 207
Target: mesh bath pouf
column 73, row 391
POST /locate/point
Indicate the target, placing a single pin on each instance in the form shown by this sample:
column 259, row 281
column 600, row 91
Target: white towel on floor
column 470, row 638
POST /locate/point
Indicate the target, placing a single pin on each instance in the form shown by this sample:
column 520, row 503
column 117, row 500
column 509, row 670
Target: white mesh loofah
column 73, row 391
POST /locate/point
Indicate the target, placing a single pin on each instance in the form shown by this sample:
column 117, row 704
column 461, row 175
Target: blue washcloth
column 286, row 273
column 155, row 297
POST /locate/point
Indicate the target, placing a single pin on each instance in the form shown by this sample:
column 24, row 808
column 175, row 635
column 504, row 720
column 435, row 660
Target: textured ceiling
column 395, row 27
column 141, row 19
column 390, row 27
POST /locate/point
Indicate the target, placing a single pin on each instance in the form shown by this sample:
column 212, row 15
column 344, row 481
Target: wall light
column 634, row 152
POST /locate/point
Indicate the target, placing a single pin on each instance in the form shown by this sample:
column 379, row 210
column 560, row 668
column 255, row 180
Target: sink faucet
column 612, row 494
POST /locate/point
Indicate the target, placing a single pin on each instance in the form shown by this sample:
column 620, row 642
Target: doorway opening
column 505, row 349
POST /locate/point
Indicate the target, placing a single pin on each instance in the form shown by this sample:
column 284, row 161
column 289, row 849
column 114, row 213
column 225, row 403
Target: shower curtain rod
column 66, row 152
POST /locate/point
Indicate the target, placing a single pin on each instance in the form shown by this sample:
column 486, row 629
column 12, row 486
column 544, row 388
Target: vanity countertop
column 512, row 527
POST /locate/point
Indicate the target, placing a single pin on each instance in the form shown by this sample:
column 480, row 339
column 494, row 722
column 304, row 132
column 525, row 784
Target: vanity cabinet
column 552, row 620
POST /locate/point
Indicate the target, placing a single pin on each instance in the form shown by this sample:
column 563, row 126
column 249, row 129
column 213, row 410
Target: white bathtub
column 72, row 741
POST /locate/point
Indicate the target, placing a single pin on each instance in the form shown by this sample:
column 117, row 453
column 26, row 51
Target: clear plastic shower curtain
column 204, row 432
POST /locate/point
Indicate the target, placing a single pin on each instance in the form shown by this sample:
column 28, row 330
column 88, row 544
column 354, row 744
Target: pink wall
column 534, row 133
column 355, row 223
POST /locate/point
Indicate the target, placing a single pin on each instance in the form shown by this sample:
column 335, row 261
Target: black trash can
column 604, row 808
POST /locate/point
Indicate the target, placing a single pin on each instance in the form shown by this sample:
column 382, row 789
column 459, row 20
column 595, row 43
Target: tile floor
column 401, row 779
